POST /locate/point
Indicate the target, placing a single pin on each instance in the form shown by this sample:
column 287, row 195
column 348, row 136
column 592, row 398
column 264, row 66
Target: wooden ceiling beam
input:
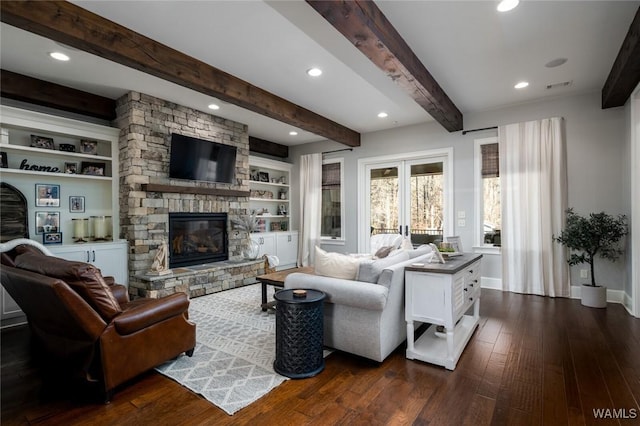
column 263, row 146
column 625, row 72
column 76, row 27
column 40, row 92
column 364, row 25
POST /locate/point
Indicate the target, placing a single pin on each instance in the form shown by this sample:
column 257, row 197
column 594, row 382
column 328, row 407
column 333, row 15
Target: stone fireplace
column 149, row 198
column 196, row 238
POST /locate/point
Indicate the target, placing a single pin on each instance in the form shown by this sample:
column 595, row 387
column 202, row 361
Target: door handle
column 400, row 230
column 406, row 230
column 88, row 256
column 94, row 255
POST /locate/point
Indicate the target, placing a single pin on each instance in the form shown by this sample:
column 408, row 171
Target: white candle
column 99, row 227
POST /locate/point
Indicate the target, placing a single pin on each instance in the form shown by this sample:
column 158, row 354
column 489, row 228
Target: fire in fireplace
column 196, row 238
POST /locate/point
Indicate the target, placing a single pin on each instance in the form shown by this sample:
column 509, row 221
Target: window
column 488, row 192
column 332, row 199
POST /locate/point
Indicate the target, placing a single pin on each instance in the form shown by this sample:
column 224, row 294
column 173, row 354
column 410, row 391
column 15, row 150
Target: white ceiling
column 475, row 53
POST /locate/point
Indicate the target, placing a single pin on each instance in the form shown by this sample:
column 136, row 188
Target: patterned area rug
column 232, row 365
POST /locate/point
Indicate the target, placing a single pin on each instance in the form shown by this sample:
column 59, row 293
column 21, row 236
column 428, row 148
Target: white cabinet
column 269, row 193
column 110, row 258
column 94, row 159
column 281, row 244
column 441, row 294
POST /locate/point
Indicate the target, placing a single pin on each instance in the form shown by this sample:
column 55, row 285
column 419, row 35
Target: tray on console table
column 440, row 294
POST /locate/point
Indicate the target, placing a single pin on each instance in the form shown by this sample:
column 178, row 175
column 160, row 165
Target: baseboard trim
column 491, row 283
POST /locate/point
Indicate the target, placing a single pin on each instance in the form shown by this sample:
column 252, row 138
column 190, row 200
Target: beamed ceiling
column 418, row 61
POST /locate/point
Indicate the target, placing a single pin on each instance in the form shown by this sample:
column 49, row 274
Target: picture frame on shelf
column 4, row 162
column 93, row 168
column 89, row 147
column 76, row 204
column 51, row 238
column 42, row 142
column 47, row 222
column 254, row 175
column 70, row 167
column 47, row 195
column 456, row 243
column 274, row 226
column 263, row 176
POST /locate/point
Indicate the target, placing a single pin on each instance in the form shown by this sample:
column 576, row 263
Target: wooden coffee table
column 276, row 279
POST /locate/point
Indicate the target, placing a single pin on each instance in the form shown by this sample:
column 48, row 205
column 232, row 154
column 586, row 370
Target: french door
column 407, row 195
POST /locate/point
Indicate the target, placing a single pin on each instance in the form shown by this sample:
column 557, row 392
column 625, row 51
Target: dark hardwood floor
column 532, row 361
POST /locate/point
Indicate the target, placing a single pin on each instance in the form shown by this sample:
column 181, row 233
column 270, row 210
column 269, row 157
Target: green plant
column 597, row 234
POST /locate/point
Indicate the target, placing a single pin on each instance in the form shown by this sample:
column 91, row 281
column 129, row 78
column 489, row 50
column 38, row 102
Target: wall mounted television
column 198, row 159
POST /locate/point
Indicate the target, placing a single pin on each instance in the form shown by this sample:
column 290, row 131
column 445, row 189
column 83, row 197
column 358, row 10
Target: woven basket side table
column 299, row 333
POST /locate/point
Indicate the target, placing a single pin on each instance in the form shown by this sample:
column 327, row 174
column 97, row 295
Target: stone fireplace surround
column 146, row 124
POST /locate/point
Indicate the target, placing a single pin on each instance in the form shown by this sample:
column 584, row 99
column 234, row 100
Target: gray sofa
column 360, row 317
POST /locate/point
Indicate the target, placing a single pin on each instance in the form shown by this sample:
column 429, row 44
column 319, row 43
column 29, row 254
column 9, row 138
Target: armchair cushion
column 142, row 313
column 84, row 278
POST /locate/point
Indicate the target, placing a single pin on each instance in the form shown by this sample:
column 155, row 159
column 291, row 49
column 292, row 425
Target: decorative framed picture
column 456, row 243
column 436, row 253
column 4, row 162
column 52, row 238
column 47, row 195
column 89, row 147
column 70, row 168
column 47, row 222
column 42, row 142
column 93, row 168
column 76, row 204
column 263, row 176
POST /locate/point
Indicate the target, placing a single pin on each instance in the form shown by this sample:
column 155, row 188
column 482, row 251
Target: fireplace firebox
column 196, row 238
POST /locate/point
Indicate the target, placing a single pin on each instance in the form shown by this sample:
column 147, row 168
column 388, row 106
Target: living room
column 600, row 149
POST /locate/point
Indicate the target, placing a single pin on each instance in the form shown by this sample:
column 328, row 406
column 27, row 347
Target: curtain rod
column 464, row 132
column 337, row 150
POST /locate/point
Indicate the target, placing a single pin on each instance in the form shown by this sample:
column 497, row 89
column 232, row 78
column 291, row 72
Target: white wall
column 595, row 151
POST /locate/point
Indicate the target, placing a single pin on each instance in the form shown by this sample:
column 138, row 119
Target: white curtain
column 310, row 207
column 533, row 182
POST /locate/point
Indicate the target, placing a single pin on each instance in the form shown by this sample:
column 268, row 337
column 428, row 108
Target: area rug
column 232, row 365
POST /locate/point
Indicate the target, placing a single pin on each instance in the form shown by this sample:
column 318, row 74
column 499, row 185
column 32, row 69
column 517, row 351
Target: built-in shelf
column 153, row 187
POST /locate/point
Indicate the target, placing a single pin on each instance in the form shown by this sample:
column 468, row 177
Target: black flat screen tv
column 198, row 159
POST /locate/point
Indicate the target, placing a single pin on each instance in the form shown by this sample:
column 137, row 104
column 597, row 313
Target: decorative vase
column 250, row 250
column 594, row 297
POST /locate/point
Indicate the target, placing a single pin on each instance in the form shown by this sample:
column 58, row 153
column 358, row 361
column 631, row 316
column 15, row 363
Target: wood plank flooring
column 532, row 361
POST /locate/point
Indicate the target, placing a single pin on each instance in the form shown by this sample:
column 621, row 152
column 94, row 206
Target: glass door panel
column 384, row 186
column 425, row 199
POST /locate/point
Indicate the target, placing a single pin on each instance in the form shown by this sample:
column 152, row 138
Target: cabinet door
column 266, row 241
column 77, row 253
column 287, row 244
column 112, row 261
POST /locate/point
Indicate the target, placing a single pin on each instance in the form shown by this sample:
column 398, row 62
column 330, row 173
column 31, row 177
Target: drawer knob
column 470, row 285
column 471, row 299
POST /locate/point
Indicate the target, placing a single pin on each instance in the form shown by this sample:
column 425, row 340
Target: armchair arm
column 339, row 291
column 119, row 291
column 147, row 312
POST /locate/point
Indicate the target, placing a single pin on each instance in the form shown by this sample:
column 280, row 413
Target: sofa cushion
column 369, row 270
column 336, row 265
column 420, row 250
column 84, row 278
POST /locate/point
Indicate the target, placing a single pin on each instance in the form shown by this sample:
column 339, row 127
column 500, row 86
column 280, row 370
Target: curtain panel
column 533, row 180
column 310, row 207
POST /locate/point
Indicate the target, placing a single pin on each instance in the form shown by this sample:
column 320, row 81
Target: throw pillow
column 369, row 270
column 383, row 252
column 84, row 278
column 336, row 265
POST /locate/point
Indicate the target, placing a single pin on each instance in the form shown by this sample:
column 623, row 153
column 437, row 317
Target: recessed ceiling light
column 555, row 63
column 293, row 133
column 59, row 56
column 314, row 72
column 383, row 115
column 507, row 5
column 521, row 85
column 214, row 106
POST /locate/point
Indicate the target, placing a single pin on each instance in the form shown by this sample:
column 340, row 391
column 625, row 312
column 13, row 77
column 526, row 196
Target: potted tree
column 587, row 237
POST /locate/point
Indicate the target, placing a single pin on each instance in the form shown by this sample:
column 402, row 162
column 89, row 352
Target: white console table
column 441, row 294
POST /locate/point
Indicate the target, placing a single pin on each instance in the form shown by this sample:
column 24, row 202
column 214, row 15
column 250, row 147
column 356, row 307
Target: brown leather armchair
column 88, row 322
